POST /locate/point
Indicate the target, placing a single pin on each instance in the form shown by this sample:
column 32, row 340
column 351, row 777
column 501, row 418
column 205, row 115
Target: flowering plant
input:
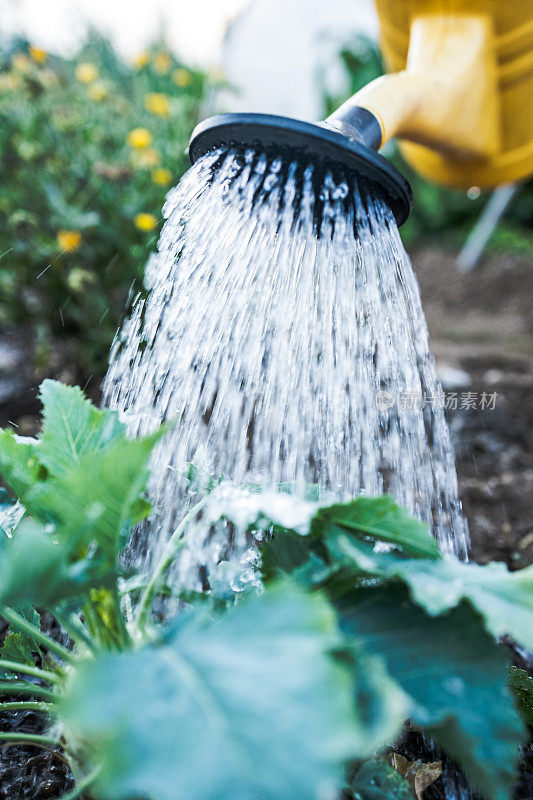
column 90, row 146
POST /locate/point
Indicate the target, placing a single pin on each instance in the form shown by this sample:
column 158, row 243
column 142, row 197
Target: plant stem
column 104, row 619
column 16, row 687
column 26, row 705
column 25, row 669
column 22, row 624
column 81, row 786
column 14, row 737
column 169, row 553
column 75, row 628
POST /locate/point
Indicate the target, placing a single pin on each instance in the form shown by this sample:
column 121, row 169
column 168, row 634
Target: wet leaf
column 377, row 780
column 97, row 500
column 503, row 598
column 73, row 427
column 284, row 552
column 379, row 518
column 454, row 674
column 19, row 466
column 246, row 705
column 34, row 568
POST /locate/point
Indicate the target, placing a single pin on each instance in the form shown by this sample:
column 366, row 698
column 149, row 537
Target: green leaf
column 379, row 518
column 19, row 466
column 283, row 552
column 381, row 705
column 73, row 427
column 454, row 674
column 503, row 598
column 377, row 780
column 97, row 500
column 522, row 687
column 35, row 569
column 247, row 705
column 20, row 646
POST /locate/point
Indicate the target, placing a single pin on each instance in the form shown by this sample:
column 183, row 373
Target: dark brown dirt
column 482, row 324
column 30, row 772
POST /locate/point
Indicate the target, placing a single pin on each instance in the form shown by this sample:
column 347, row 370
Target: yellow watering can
column 459, row 95
column 460, row 92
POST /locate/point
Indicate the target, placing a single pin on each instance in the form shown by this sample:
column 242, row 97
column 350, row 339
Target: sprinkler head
column 318, row 143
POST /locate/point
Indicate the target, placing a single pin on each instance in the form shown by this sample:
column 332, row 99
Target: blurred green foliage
column 446, row 215
column 82, row 194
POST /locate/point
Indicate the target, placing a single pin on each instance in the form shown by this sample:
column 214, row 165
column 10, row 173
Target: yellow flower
column 149, row 157
column 141, row 59
column 69, row 241
column 145, row 222
column 28, row 150
column 182, row 77
column 21, row 62
column 162, row 62
column 48, row 77
column 217, row 76
column 97, row 91
column 38, row 55
column 86, row 72
column 80, row 279
column 157, row 103
column 10, row 81
column 139, row 138
column 162, row 176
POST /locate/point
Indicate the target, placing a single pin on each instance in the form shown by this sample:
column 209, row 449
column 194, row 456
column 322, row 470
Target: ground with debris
column 481, row 328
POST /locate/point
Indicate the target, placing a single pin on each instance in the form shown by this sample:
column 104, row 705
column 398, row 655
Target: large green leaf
column 249, row 705
column 72, row 427
column 454, row 673
column 503, row 598
column 94, row 499
column 381, row 519
column 98, row 498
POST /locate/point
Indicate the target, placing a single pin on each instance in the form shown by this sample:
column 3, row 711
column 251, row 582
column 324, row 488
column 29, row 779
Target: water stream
column 283, row 334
